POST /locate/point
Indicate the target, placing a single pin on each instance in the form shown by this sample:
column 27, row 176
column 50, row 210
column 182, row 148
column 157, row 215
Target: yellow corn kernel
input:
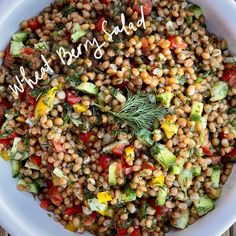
column 104, row 197
column 80, row 108
column 129, row 154
column 5, row 156
column 169, row 129
column 70, row 226
column 20, row 119
column 159, row 180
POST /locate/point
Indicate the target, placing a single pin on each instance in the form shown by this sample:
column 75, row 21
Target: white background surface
column 21, row 215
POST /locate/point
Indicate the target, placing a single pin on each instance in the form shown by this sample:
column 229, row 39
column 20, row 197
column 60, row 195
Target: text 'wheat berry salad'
column 119, row 116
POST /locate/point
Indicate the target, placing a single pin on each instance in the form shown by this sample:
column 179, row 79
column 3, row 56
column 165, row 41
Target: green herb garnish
column 74, row 79
column 138, row 112
column 127, row 223
column 143, row 211
column 88, row 194
column 37, row 92
column 67, row 10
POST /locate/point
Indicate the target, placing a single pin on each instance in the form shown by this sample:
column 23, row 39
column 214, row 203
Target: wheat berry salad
column 119, row 116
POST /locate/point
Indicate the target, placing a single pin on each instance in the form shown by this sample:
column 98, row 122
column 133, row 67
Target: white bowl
column 21, row 215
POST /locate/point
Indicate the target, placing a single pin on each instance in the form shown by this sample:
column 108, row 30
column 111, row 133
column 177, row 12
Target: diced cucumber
column 86, row 87
column 182, row 222
column 196, row 10
column 77, row 33
column 112, row 174
column 219, row 91
column 184, row 179
column 109, row 148
column 196, row 171
column 29, row 164
column 13, row 150
column 145, row 136
column 196, row 112
column 41, row 46
column 203, row 121
column 16, row 48
column 163, row 155
column 215, row 177
column 95, row 205
column 204, row 205
column 20, row 36
column 60, row 174
column 15, row 168
column 32, row 188
column 118, row 95
column 128, row 196
column 165, row 98
column 161, row 196
column 176, row 169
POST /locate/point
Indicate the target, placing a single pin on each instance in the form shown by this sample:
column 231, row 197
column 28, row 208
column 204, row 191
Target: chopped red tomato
column 119, row 169
column 44, row 204
column 174, row 43
column 72, row 97
column 28, row 51
column 8, row 58
column 87, row 137
column 207, row 151
column 146, row 4
column 136, row 232
column 73, row 210
column 94, row 215
column 5, row 141
column 119, row 150
column 145, row 46
column 58, row 146
column 145, row 165
column 105, row 2
column 215, row 160
column 90, row 219
column 221, row 135
column 229, row 75
column 122, row 232
column 55, row 197
column 104, row 161
column 4, row 105
column 127, row 169
column 33, row 24
column 99, row 23
column 36, row 160
column 233, row 152
column 26, row 96
column 160, row 210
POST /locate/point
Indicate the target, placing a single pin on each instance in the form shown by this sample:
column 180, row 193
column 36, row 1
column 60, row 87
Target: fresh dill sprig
column 73, row 79
column 138, row 112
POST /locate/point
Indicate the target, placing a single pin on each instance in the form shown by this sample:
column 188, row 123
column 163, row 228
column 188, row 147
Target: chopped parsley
column 67, row 10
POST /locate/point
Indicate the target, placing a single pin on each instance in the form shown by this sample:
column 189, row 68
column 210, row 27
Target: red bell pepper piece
column 105, row 2
column 73, row 210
